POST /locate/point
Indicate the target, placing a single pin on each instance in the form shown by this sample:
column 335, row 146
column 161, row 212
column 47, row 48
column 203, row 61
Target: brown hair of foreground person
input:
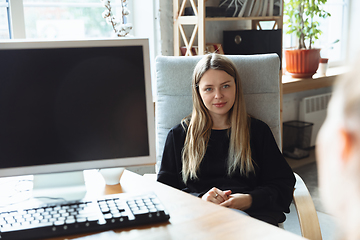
column 338, row 155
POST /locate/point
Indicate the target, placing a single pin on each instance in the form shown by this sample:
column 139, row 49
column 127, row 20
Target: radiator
column 313, row 109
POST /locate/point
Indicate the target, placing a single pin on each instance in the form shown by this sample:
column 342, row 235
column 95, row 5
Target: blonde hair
column 199, row 124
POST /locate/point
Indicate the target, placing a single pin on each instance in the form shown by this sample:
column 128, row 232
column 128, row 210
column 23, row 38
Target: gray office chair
column 260, row 79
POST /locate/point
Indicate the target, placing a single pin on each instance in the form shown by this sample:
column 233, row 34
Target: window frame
column 16, row 17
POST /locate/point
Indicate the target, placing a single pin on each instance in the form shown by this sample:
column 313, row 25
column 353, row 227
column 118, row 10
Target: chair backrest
column 260, row 80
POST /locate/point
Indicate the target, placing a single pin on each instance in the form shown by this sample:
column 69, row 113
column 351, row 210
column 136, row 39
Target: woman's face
column 217, row 90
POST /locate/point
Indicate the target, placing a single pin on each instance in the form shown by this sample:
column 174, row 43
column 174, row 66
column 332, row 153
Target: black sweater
column 271, row 186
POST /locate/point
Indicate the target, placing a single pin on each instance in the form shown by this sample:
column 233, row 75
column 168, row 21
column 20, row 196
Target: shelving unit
column 199, row 21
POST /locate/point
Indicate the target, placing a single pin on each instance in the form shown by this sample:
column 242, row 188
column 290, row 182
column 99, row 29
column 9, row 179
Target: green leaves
column 300, row 19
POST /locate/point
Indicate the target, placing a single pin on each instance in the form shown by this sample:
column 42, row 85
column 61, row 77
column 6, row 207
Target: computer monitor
column 75, row 105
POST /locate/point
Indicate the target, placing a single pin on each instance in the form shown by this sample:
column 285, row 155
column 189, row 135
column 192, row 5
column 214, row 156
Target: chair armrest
column 308, row 219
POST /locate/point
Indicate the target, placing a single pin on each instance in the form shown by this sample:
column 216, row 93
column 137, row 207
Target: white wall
column 144, row 26
column 166, row 27
column 291, row 102
column 353, row 47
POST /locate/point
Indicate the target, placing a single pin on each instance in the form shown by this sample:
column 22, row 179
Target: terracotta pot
column 302, row 63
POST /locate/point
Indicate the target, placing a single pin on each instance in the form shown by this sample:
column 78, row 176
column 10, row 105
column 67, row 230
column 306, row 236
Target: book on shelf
column 249, row 7
column 265, row 8
column 243, row 8
column 256, row 8
column 261, row 6
column 209, row 48
column 277, row 8
column 271, row 8
column 242, row 11
column 231, row 8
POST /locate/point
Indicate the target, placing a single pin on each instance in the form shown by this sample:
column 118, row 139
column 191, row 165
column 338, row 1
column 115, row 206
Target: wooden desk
column 190, row 217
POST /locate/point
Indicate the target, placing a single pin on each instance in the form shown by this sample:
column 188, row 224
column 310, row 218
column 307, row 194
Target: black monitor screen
column 62, row 105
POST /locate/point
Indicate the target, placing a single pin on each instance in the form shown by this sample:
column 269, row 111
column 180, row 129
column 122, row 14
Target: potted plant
column 303, row 60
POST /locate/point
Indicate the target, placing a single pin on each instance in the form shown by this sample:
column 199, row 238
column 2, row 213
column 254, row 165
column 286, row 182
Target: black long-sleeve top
column 270, row 186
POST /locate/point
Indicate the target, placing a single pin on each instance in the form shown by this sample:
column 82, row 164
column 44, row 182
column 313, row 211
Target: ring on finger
column 216, row 195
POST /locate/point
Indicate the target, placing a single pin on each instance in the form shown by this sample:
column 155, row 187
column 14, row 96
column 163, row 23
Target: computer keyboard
column 88, row 215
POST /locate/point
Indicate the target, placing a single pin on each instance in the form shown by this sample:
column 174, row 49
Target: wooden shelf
column 199, row 20
column 274, row 18
column 292, row 85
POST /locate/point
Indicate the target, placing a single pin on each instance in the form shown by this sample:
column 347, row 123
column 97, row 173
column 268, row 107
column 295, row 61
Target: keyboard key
column 59, row 222
column 80, row 220
column 116, row 215
column 70, row 221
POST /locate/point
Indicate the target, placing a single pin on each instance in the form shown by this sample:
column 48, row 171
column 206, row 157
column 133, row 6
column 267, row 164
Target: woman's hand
column 239, row 201
column 216, row 195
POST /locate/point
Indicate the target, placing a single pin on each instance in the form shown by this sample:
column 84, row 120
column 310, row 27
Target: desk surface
column 190, row 217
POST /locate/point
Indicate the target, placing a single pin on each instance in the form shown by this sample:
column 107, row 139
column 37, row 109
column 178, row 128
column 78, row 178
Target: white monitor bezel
column 91, row 164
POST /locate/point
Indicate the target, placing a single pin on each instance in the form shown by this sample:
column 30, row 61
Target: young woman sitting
column 222, row 154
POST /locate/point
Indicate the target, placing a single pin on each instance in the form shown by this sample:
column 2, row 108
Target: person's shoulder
column 259, row 128
column 260, row 132
column 178, row 129
column 257, row 123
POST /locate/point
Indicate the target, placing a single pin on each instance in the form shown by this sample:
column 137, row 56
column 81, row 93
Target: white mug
column 323, row 65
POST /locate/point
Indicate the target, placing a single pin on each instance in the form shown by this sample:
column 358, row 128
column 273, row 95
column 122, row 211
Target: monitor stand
column 112, row 175
column 69, row 185
column 59, row 186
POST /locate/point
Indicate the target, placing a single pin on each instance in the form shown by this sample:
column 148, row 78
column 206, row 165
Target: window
column 59, row 19
column 4, row 26
column 333, row 28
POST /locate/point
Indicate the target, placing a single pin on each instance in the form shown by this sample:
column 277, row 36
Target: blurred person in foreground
column 338, row 155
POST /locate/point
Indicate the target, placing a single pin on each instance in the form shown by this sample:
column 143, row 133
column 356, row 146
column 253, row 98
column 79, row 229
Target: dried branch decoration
column 121, row 29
